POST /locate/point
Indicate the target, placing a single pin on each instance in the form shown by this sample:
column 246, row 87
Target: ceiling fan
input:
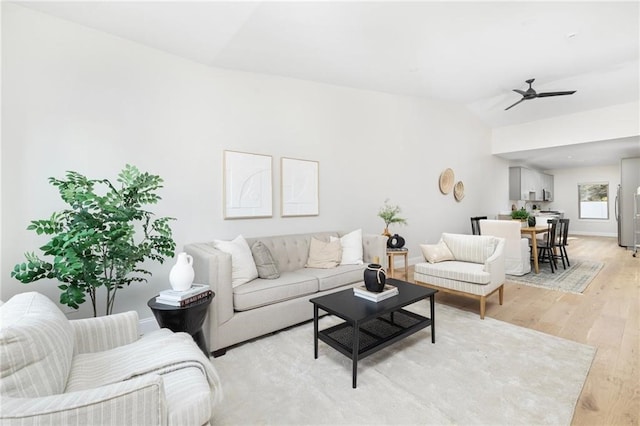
column 531, row 94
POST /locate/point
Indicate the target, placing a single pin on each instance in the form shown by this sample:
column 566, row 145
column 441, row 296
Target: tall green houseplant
column 101, row 238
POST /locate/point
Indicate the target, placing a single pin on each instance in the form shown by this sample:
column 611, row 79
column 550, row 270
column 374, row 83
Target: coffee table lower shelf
column 373, row 335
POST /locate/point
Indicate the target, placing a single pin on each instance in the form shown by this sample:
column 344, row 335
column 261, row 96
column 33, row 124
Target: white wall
column 78, row 99
column 566, row 198
column 613, row 122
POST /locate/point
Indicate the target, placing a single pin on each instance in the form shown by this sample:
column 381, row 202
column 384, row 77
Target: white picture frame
column 248, row 185
column 299, row 187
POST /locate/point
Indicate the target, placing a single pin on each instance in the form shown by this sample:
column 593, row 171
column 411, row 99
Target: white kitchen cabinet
column 527, row 184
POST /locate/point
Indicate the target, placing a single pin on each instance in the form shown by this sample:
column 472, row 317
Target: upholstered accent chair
column 517, row 260
column 98, row 371
column 469, row 265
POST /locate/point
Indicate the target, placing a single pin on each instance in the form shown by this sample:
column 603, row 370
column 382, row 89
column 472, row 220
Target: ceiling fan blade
column 547, row 94
column 522, row 92
column 514, row 104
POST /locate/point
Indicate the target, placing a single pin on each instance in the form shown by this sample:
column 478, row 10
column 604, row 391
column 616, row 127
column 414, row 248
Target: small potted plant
column 389, row 213
column 522, row 215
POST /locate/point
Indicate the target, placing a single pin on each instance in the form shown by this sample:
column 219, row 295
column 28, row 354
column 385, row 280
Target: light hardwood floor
column 606, row 316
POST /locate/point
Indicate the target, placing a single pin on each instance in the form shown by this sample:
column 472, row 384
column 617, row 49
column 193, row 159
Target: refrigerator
column 629, row 183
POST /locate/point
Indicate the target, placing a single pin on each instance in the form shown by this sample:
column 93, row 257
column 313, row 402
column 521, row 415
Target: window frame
column 580, row 201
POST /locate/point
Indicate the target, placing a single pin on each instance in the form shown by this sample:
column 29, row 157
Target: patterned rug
column 574, row 279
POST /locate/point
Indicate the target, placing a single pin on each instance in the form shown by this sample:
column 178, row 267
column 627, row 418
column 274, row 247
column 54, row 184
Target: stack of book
column 196, row 293
column 387, row 292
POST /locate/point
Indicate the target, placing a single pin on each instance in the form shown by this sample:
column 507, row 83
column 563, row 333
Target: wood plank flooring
column 606, row 316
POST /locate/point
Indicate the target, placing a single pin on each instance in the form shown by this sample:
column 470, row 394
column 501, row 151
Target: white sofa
column 262, row 306
column 517, row 259
column 470, row 265
column 98, row 371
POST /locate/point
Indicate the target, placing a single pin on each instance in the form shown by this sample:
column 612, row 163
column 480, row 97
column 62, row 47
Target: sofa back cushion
column 36, row 347
column 470, row 248
column 291, row 252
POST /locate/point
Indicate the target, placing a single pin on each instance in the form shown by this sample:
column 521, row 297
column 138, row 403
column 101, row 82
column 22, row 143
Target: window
column 593, row 200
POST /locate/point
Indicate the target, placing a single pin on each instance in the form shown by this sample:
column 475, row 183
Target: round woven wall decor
column 458, row 191
column 446, row 181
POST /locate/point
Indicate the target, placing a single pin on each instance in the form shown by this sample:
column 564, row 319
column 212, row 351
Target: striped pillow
column 36, row 347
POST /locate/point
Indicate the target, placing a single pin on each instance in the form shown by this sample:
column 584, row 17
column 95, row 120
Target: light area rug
column 575, row 279
column 478, row 372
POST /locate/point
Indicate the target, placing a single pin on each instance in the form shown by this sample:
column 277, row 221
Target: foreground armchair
column 98, row 371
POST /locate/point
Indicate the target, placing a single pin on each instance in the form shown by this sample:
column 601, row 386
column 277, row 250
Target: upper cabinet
column 529, row 185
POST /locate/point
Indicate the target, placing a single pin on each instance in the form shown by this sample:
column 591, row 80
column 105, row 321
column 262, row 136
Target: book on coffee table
column 387, row 292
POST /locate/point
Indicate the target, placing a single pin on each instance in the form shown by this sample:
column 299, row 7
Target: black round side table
column 188, row 319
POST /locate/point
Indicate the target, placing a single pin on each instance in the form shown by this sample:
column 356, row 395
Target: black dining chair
column 563, row 234
column 546, row 248
column 475, row 224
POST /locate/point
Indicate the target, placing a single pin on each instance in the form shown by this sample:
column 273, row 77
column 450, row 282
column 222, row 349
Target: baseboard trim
column 592, row 234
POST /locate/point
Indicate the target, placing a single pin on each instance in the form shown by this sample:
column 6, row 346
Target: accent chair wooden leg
column 501, row 294
column 483, row 305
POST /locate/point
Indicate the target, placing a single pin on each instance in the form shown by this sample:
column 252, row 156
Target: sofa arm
column 494, row 265
column 133, row 402
column 374, row 246
column 108, row 332
column 213, row 267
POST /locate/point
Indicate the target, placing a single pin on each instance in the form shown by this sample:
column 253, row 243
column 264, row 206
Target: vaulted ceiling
column 471, row 53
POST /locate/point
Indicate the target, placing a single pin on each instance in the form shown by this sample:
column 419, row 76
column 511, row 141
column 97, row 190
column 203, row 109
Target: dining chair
column 563, row 234
column 546, row 247
column 475, row 224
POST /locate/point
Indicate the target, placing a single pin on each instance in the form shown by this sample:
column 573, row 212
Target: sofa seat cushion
column 339, row 276
column 261, row 292
column 36, row 347
column 454, row 270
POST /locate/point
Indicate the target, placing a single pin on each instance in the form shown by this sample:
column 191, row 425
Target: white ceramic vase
column 181, row 275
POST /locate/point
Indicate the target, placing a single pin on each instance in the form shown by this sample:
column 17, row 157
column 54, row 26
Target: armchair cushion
column 36, row 347
column 474, row 250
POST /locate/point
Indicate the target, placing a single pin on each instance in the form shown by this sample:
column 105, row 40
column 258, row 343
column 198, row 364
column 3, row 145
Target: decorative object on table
column 247, row 185
column 300, row 195
column 395, row 242
column 375, row 296
column 181, row 275
column 458, row 191
column 521, row 215
column 182, row 298
column 375, row 277
column 100, row 240
column 389, row 213
column 531, row 220
column 446, row 181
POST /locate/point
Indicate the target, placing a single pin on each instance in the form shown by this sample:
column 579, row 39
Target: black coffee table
column 371, row 326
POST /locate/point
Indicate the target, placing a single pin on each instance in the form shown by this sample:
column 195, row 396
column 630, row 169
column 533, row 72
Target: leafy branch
column 100, row 239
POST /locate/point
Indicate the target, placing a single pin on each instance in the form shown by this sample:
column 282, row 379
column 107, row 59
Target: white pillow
column 243, row 267
column 351, row 247
column 435, row 253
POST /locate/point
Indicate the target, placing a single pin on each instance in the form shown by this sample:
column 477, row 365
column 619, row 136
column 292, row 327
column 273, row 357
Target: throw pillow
column 435, row 253
column 265, row 263
column 324, row 255
column 351, row 244
column 243, row 268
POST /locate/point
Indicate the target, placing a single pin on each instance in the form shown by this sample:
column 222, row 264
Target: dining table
column 532, row 231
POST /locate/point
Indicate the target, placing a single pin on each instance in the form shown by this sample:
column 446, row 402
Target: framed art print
column 299, row 187
column 247, row 185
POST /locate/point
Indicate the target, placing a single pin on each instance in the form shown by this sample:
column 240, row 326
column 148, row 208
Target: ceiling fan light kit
column 532, row 94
